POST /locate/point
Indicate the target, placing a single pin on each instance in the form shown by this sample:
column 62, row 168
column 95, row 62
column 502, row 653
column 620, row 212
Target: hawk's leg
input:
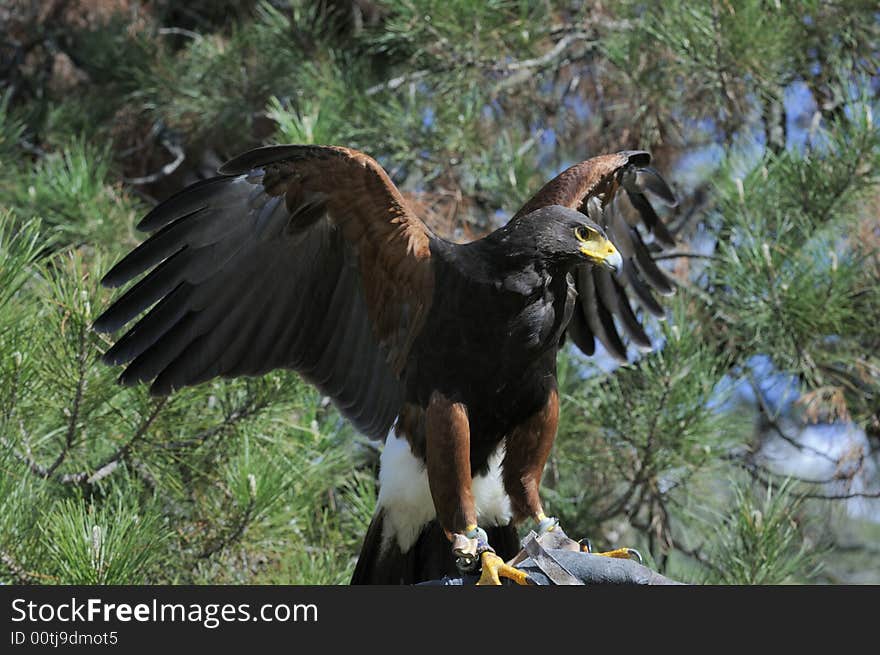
column 527, row 449
column 448, row 460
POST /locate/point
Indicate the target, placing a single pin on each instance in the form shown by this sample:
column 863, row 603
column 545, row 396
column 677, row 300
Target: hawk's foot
column 617, row 553
column 494, row 568
column 552, row 536
column 473, row 553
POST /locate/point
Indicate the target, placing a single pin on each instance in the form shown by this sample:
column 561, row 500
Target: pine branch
column 73, row 419
column 237, row 531
column 773, row 423
column 251, row 407
column 683, row 255
column 111, row 463
column 18, row 572
column 179, row 155
column 762, row 475
column 101, row 471
column 847, row 496
column 517, row 67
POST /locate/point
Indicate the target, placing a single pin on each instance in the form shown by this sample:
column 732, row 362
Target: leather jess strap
column 556, row 572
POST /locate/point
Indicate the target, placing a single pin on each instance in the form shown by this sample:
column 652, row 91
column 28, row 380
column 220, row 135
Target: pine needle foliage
column 760, row 542
column 761, row 114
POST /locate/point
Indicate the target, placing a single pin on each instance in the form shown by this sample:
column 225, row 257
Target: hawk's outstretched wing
column 602, row 188
column 300, row 257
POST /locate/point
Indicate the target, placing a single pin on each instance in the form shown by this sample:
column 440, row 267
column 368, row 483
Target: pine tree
column 760, row 113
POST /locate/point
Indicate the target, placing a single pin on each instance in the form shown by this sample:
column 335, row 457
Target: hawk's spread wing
column 602, row 188
column 300, row 257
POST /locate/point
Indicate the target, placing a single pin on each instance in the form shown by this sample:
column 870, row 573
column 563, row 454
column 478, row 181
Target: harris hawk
column 309, row 258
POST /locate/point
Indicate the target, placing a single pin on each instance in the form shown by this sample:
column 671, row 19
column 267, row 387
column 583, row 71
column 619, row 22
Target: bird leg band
column 473, row 553
column 546, row 524
column 468, row 548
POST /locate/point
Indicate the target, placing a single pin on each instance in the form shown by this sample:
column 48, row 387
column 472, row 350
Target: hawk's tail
column 430, row 558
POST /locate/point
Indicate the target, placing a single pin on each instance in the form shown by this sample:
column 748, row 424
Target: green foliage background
column 760, row 113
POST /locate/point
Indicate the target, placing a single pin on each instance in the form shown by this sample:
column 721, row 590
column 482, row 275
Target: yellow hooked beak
column 600, row 250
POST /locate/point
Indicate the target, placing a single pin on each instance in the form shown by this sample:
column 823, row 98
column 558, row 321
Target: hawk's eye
column 584, row 233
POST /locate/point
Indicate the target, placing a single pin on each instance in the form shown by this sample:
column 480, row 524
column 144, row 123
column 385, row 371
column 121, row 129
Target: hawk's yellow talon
column 494, row 568
column 617, row 553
